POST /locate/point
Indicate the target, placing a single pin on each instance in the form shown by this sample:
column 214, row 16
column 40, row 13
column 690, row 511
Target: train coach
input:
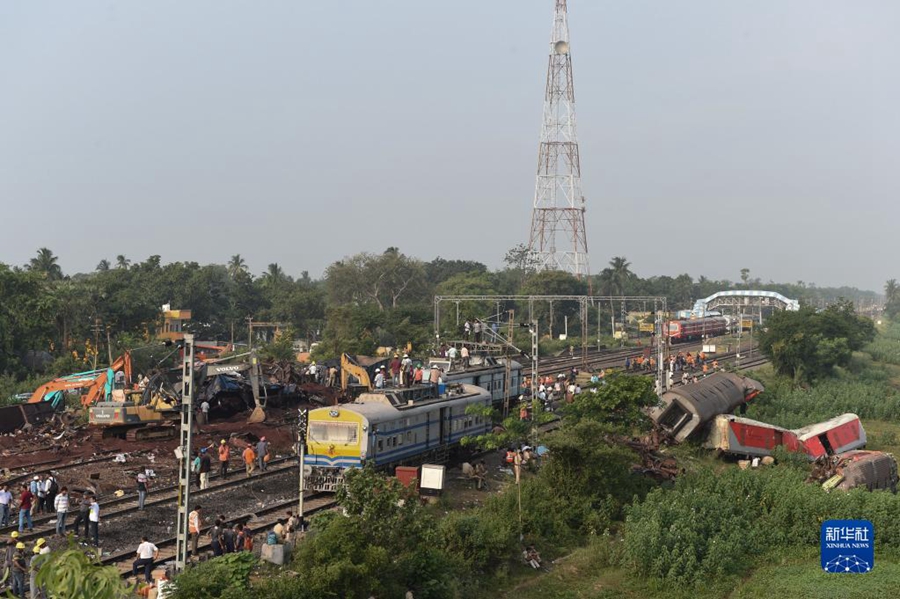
column 680, row 331
column 388, row 428
column 744, row 437
column 486, row 372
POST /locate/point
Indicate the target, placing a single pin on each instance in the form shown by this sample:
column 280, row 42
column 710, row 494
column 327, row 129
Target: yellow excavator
column 360, row 368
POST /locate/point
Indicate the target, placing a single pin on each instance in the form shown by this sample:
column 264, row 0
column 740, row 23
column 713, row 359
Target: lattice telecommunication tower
column 558, row 239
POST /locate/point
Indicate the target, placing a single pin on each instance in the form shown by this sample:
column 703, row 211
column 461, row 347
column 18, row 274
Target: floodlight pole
column 183, row 532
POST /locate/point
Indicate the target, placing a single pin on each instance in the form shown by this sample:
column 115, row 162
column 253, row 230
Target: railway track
column 128, row 503
column 260, row 520
column 55, row 466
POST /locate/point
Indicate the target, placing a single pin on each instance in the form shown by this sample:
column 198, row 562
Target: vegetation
column 225, row 577
column 808, row 344
column 363, row 302
column 73, row 573
column 714, row 523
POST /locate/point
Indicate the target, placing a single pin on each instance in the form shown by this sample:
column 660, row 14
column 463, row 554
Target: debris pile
column 859, row 468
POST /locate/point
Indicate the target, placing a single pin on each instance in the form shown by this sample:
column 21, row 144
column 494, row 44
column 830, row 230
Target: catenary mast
column 558, row 238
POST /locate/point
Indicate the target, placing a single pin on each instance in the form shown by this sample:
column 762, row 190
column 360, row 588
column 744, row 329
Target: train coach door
column 445, row 426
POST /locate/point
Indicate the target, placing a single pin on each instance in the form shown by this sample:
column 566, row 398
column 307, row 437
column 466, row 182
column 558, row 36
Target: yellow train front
column 388, row 428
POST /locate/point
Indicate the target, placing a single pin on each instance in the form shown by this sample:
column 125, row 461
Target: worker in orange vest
column 224, row 454
column 194, row 523
column 249, row 460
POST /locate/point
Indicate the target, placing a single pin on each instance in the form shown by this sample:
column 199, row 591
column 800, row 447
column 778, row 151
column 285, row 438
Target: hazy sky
column 714, row 135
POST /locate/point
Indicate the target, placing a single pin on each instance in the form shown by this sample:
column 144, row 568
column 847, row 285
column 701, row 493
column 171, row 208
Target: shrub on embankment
column 868, row 395
column 717, row 523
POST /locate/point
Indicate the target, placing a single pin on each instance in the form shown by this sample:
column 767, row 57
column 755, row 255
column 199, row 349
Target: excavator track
column 146, row 433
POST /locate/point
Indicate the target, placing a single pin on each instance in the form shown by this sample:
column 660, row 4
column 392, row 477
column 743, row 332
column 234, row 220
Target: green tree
column 891, row 298
column 122, row 262
column 808, row 344
column 72, row 574
column 383, row 279
column 46, row 263
column 236, row 265
column 620, row 403
column 103, row 265
column 385, row 545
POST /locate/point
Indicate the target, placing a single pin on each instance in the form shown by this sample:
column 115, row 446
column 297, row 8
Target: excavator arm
column 95, row 381
column 349, row 367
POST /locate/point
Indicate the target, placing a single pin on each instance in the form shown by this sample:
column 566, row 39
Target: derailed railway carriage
column 390, row 427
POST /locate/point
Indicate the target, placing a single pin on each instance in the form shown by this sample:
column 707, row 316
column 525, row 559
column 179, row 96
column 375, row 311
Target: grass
column 801, row 576
column 587, row 574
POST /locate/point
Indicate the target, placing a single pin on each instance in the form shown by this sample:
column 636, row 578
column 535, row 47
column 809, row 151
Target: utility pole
column 534, row 357
column 302, row 422
column 558, row 207
column 183, row 453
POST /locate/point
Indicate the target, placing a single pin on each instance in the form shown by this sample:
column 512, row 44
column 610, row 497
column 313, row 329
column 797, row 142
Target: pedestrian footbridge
column 739, row 298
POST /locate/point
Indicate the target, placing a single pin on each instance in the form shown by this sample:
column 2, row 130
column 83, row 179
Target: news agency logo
column 848, row 546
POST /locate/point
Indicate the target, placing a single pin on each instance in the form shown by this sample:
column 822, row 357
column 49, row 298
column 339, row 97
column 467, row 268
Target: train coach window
column 333, row 432
column 409, row 436
column 380, row 444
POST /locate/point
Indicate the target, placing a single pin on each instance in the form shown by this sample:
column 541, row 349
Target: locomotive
column 688, row 330
column 390, row 427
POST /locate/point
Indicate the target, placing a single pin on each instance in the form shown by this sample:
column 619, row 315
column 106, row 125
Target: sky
column 714, row 135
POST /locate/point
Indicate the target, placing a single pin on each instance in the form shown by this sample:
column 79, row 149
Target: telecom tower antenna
column 558, row 239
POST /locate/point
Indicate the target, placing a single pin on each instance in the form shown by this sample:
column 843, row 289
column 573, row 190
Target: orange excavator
column 99, row 384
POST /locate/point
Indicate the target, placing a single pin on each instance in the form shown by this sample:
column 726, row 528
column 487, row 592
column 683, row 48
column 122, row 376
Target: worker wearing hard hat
column 224, row 455
column 40, row 548
column 9, row 553
column 19, row 569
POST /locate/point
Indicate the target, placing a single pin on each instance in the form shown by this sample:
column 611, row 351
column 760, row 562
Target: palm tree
column 236, row 265
column 890, row 290
column 103, row 265
column 273, row 275
column 619, row 274
column 122, row 262
column 45, row 262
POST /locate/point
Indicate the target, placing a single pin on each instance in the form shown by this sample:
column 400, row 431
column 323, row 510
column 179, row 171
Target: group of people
column 286, row 529
column 405, row 373
column 202, row 463
column 21, row 563
column 38, row 497
column 319, row 374
column 224, row 537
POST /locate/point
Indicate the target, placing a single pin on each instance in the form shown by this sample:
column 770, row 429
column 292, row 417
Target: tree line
column 362, row 301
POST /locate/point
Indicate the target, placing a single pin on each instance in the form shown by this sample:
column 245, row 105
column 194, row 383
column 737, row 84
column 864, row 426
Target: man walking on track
column 249, row 460
column 224, row 454
column 147, row 553
column 262, row 453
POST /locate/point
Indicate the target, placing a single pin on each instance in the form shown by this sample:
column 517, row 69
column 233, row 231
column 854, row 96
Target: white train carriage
column 486, row 372
column 388, row 428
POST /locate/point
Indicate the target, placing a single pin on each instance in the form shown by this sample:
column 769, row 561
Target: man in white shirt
column 204, row 412
column 147, row 553
column 61, row 505
column 5, row 501
column 94, row 521
column 379, row 379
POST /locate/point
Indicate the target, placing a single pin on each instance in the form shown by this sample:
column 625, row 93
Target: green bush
column 224, row 576
column 869, row 396
column 886, row 346
column 715, row 523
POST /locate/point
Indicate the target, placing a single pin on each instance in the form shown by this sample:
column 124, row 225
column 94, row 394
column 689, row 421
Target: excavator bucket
column 259, row 414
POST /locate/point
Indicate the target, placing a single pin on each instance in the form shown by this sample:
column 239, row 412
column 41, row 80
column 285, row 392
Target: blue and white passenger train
column 391, row 427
